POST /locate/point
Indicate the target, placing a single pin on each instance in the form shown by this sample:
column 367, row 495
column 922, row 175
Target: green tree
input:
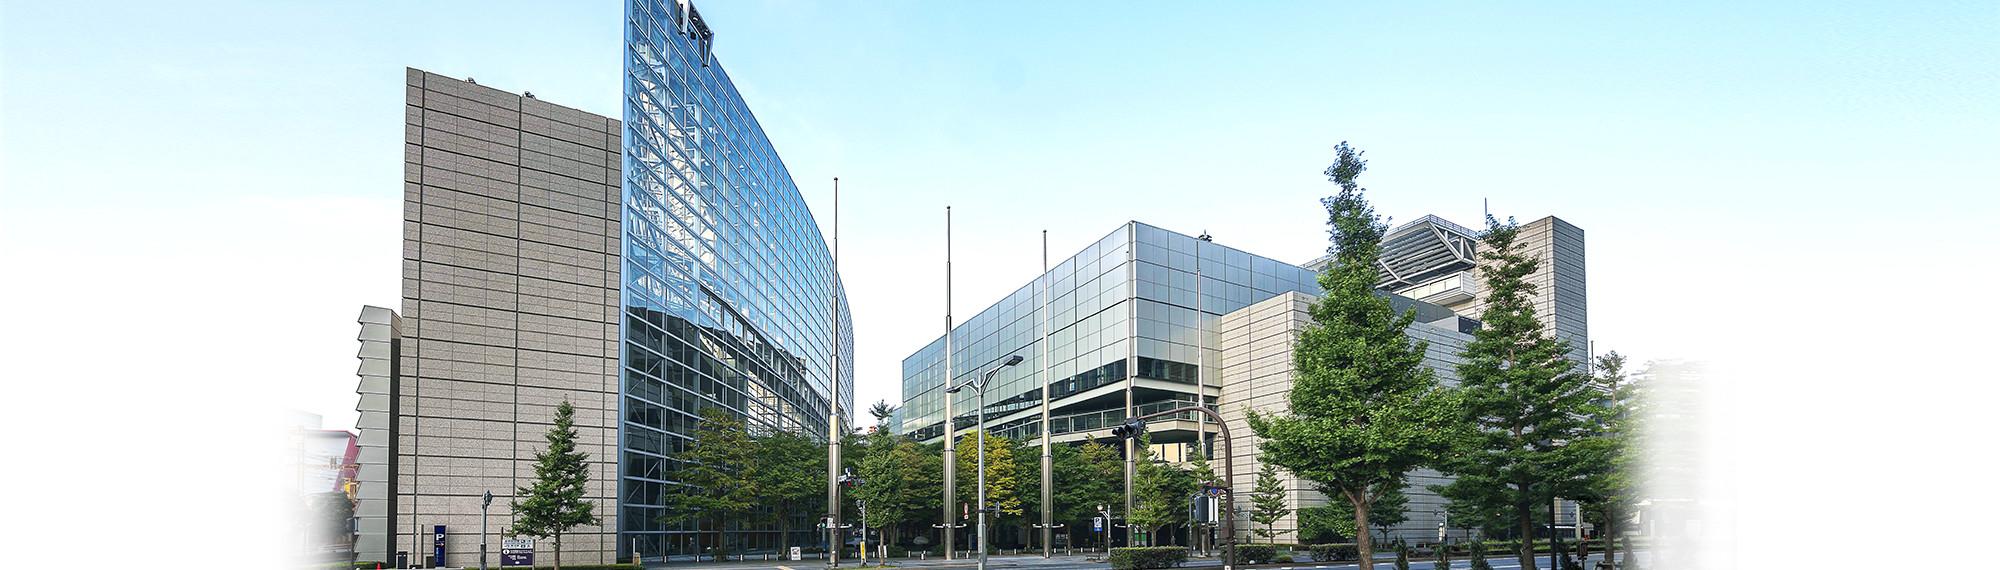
column 1003, row 488
column 1160, row 491
column 1611, row 457
column 716, row 473
column 881, row 411
column 1389, row 510
column 1523, row 399
column 1364, row 409
column 1325, row 524
column 884, row 487
column 554, row 503
column 1085, row 476
column 1267, row 502
column 785, row 472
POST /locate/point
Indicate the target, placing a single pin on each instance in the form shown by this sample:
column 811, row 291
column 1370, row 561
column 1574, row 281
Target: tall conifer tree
column 1364, row 410
column 1524, row 400
column 554, row 503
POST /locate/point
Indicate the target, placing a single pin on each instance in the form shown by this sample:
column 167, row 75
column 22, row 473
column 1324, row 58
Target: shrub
column 1255, row 553
column 1147, row 557
column 1441, row 556
column 1334, row 552
column 1282, row 559
column 1402, row 557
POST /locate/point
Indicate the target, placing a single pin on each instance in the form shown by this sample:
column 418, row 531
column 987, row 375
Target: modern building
column 729, row 293
column 509, row 307
column 1128, row 325
column 1434, row 260
column 1125, row 334
column 643, row 270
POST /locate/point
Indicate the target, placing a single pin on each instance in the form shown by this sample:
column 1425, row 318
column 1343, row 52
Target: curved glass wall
column 728, row 286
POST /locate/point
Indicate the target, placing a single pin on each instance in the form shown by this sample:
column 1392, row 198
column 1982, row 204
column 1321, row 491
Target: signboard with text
column 437, row 546
column 517, row 552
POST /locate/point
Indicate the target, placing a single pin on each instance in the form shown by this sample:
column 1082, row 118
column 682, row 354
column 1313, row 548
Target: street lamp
column 979, row 389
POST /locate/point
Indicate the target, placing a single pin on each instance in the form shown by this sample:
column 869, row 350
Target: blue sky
column 1755, row 179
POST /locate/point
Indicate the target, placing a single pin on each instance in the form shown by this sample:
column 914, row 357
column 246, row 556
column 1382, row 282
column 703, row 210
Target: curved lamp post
column 979, row 388
column 1135, row 426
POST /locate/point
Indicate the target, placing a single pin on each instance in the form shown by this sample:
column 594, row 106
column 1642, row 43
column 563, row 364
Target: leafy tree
column 1003, row 488
column 785, row 472
column 554, row 503
column 1161, row 492
column 1364, row 409
column 1267, row 502
column 1325, row 523
column 1402, row 557
column 1524, row 400
column 884, row 487
column 717, row 475
column 1085, row 476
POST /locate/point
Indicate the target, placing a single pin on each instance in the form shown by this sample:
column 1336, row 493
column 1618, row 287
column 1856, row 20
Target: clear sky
column 204, row 193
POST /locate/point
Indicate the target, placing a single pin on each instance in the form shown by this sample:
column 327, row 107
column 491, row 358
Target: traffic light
column 1128, row 430
column 847, row 479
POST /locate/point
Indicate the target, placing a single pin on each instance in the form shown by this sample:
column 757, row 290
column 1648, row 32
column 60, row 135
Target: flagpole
column 950, row 422
column 833, row 399
column 1048, row 461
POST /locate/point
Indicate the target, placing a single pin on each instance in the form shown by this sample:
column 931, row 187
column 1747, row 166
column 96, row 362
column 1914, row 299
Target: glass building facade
column 728, row 287
column 1125, row 308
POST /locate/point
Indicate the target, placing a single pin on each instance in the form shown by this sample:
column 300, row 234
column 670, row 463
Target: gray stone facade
column 509, row 306
column 1256, row 344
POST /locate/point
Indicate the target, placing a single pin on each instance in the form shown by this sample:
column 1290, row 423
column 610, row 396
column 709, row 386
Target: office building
column 643, row 270
column 729, row 292
column 1126, row 335
column 1128, row 324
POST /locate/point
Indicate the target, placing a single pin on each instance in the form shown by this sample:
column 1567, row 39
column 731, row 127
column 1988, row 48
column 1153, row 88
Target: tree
column 331, row 513
column 1364, row 410
column 716, row 476
column 1267, row 502
column 554, row 503
column 1525, row 402
column 1085, row 476
column 1003, row 488
column 1389, row 510
column 785, row 472
column 1160, row 491
column 881, row 411
column 1612, row 456
column 884, row 487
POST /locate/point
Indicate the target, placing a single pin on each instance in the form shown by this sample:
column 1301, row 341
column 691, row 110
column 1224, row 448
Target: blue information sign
column 437, row 545
column 517, row 552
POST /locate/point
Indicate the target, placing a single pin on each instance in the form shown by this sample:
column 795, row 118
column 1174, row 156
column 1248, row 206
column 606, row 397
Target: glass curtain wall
column 1125, row 305
column 728, row 286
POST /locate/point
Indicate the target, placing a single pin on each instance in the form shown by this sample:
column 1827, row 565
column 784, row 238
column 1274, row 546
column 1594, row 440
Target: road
column 1080, row 562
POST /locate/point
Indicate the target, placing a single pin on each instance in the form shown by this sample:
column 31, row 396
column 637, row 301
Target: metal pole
column 833, row 396
column 1048, row 460
column 1555, row 540
column 950, row 421
column 980, row 398
column 1228, row 481
column 482, row 529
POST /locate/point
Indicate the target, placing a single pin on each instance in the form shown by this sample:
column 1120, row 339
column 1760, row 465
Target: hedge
column 1147, row 557
column 1336, row 552
column 1255, row 553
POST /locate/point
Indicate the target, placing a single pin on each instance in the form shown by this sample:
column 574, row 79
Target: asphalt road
column 1079, row 562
